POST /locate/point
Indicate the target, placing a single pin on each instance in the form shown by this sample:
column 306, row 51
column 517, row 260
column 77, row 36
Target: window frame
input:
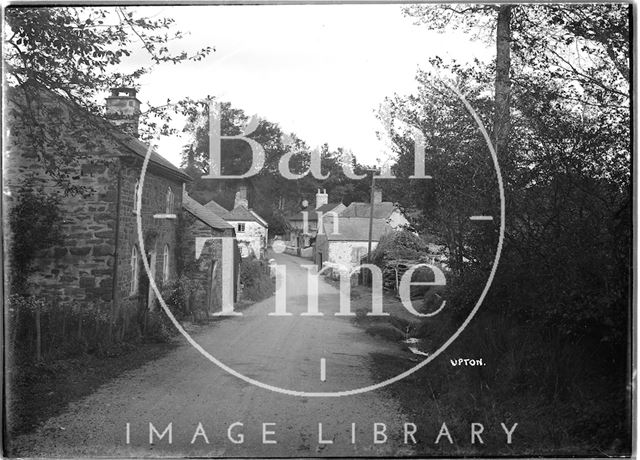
column 135, row 270
column 244, row 227
column 166, row 268
column 169, row 201
column 136, row 193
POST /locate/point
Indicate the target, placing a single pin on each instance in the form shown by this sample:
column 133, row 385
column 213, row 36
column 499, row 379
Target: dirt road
column 184, row 389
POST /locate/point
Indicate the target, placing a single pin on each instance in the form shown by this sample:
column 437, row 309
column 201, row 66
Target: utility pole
column 383, row 175
column 373, row 181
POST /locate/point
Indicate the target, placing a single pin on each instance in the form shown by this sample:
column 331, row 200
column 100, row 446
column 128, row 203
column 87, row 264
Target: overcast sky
column 319, row 71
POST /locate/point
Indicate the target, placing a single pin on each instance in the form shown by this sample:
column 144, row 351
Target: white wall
column 397, row 220
column 348, row 253
column 254, row 234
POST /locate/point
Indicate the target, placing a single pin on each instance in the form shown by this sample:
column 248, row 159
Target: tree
column 470, row 17
column 566, row 255
column 75, row 53
column 585, row 48
column 463, row 180
column 502, row 92
column 274, row 197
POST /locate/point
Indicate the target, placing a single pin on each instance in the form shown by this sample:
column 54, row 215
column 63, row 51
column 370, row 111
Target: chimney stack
column 321, row 198
column 377, row 196
column 241, row 197
column 123, row 109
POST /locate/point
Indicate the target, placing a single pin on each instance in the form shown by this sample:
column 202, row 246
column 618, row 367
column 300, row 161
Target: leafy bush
column 399, row 245
column 159, row 327
column 176, row 295
column 45, row 329
column 256, row 282
column 387, row 331
column 35, row 222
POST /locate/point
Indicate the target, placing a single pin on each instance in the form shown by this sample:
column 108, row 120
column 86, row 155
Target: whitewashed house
column 343, row 246
column 385, row 210
column 251, row 229
column 304, row 224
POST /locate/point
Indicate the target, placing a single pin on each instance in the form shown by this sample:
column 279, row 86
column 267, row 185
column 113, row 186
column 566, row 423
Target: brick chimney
column 377, row 196
column 322, row 198
column 241, row 197
column 123, row 109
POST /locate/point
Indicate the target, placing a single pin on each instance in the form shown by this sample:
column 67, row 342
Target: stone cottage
column 345, row 248
column 100, row 259
column 385, row 210
column 301, row 239
column 251, row 229
column 204, row 257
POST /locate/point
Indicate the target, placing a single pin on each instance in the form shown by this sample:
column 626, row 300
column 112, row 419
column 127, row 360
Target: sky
column 319, row 71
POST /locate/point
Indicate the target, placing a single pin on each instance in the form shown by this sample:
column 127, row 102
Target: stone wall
column 253, row 241
column 348, row 253
column 80, row 269
column 198, row 268
column 88, row 269
column 156, row 232
column 397, row 220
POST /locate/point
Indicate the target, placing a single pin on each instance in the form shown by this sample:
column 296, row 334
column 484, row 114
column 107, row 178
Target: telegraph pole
column 384, row 174
column 373, row 181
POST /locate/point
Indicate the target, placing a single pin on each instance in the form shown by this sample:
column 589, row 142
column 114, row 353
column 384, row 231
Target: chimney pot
column 241, row 197
column 321, row 198
column 123, row 109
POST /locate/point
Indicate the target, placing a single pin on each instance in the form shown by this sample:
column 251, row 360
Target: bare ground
column 185, row 389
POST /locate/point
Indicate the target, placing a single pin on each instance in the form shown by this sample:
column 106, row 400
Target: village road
column 185, row 389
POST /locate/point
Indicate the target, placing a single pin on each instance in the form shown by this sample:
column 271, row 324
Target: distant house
column 304, row 224
column 204, row 257
column 345, row 249
column 100, row 260
column 343, row 246
column 381, row 210
column 251, row 229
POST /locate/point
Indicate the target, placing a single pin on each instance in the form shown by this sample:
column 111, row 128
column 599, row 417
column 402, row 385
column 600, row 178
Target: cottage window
column 134, row 270
column 165, row 264
column 136, row 192
column 169, row 204
column 240, row 228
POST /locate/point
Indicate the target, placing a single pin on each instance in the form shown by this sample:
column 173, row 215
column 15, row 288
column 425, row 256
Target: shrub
column 159, row 327
column 176, row 295
column 399, row 245
column 45, row 329
column 386, row 331
column 35, row 224
column 256, row 282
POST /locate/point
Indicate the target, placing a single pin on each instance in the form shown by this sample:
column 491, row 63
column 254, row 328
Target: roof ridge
column 116, row 134
column 204, row 214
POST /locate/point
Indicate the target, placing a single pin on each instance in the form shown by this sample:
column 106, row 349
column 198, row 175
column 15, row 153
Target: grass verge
column 566, row 394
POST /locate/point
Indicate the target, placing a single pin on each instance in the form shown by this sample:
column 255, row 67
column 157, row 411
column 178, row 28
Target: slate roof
column 313, row 213
column 216, row 208
column 205, row 215
column 380, row 210
column 356, row 229
column 239, row 213
column 260, row 219
column 140, row 149
column 133, row 145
